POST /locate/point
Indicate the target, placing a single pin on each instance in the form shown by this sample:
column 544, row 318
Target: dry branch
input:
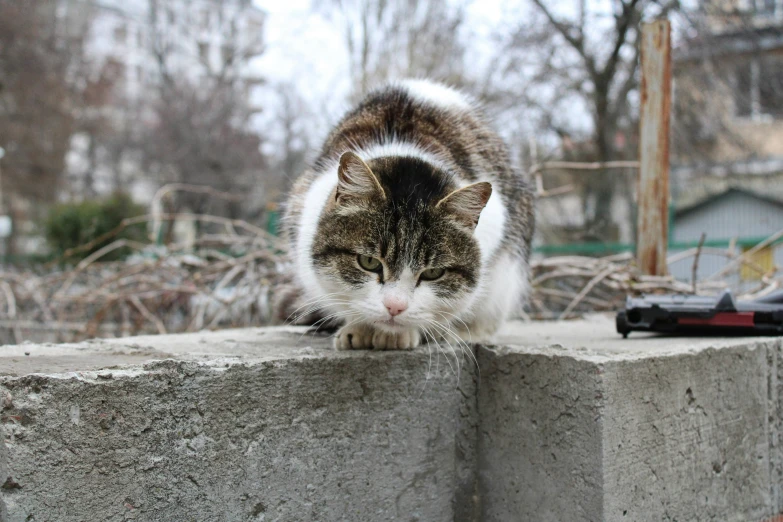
column 227, row 279
column 568, row 286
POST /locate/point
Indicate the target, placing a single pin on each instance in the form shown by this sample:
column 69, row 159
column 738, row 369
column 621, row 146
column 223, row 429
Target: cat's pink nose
column 395, row 305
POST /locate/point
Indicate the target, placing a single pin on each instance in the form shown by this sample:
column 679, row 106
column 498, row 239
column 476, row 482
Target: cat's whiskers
column 467, row 348
column 439, row 329
column 339, row 313
column 447, row 332
column 317, row 326
column 313, row 300
column 435, row 341
column 320, row 304
column 467, row 328
column 309, row 303
column 445, row 354
column 427, row 335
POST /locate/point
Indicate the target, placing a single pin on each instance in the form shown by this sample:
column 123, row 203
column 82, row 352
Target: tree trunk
column 601, row 187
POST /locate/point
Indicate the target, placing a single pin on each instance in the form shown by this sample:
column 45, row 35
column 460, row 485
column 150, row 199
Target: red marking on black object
column 721, row 319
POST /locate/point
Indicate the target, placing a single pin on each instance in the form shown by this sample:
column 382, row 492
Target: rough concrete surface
column 649, row 428
column 566, row 421
column 3, row 473
column 540, row 440
column 254, row 434
column 687, row 435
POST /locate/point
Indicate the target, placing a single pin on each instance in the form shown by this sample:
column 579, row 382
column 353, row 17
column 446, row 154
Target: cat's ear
column 355, row 180
column 466, row 204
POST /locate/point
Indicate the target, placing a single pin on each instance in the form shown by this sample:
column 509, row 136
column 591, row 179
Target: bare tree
column 293, row 120
column 388, row 39
column 557, row 63
column 98, row 100
column 37, row 93
column 201, row 119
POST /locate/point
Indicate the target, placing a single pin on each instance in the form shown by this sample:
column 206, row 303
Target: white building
column 133, row 41
column 199, row 37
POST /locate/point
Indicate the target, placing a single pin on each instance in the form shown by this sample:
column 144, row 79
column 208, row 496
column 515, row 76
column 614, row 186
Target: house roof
column 731, row 191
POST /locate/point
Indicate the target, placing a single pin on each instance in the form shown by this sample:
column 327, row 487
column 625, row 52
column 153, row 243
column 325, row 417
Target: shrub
column 69, row 225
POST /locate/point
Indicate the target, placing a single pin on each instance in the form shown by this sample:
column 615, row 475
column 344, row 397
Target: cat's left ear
column 466, row 204
column 355, row 180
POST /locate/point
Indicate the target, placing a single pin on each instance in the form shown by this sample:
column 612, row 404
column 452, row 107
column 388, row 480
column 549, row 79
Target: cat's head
column 395, row 245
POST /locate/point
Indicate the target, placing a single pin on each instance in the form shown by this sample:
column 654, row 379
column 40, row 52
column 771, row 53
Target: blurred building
column 744, row 216
column 131, row 45
column 726, row 147
column 727, row 172
column 199, row 37
column 729, row 100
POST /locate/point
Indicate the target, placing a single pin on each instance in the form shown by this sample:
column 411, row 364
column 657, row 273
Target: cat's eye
column 431, row 274
column 371, row 264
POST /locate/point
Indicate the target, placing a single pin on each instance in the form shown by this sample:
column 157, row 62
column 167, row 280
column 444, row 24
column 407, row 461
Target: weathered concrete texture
column 665, row 429
column 3, row 473
column 686, row 436
column 567, row 421
column 316, row 435
column 540, row 437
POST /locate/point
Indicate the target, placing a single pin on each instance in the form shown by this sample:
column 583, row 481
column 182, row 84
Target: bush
column 70, row 225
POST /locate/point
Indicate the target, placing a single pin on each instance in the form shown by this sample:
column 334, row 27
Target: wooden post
column 653, row 196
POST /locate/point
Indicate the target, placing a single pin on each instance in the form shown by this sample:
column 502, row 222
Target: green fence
column 597, row 248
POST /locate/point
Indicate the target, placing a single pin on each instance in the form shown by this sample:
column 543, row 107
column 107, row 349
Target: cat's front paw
column 354, row 337
column 405, row 340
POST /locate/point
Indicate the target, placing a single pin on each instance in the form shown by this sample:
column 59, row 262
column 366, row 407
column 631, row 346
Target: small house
column 733, row 221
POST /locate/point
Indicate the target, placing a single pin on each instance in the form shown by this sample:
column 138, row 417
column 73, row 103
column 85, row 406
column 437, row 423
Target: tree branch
column 622, row 23
column 576, row 43
column 630, row 83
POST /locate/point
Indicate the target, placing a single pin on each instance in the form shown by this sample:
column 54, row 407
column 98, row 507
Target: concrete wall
column 566, row 421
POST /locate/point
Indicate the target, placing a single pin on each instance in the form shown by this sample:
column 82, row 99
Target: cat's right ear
column 355, row 180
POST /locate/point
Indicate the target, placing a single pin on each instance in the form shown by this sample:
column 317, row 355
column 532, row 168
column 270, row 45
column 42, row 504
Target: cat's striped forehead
column 404, row 244
column 404, row 228
column 410, row 233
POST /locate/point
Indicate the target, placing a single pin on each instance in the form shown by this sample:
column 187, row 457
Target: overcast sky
column 306, row 49
column 303, row 42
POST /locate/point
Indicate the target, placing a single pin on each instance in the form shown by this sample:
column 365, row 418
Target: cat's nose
column 395, row 305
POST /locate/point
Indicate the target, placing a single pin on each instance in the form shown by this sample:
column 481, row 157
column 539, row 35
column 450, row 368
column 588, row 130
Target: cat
column 412, row 224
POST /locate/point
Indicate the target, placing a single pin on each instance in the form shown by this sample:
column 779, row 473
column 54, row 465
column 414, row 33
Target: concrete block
column 650, row 428
column 564, row 421
column 246, row 425
column 3, row 474
column 685, row 437
column 775, row 394
column 540, row 437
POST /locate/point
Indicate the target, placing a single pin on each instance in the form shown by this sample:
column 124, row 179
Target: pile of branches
column 570, row 286
column 223, row 279
column 228, row 275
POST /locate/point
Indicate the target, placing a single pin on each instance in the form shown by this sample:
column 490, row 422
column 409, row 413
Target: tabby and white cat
column 411, row 224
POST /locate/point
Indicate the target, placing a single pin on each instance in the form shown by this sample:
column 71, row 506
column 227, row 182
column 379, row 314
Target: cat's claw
column 354, row 337
column 405, row 340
